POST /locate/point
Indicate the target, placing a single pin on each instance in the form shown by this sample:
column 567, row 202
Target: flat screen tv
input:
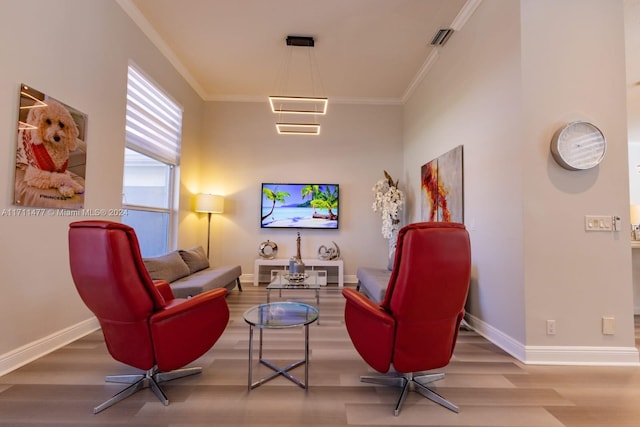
column 299, row 206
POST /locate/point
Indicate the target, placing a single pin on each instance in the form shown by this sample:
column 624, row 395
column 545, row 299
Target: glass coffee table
column 310, row 281
column 280, row 315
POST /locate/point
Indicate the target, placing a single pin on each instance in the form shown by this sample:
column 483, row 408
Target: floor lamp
column 210, row 204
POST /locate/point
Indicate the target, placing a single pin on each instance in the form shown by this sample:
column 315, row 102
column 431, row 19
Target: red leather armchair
column 143, row 325
column 415, row 327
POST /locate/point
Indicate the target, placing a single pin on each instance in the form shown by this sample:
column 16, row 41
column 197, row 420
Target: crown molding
column 465, row 13
column 458, row 22
column 138, row 18
column 422, row 73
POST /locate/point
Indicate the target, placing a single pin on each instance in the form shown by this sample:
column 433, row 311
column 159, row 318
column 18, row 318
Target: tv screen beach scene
column 299, row 206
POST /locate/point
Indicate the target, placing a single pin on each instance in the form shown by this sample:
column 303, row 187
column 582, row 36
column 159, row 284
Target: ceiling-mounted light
column 298, row 128
column 303, row 41
column 299, row 105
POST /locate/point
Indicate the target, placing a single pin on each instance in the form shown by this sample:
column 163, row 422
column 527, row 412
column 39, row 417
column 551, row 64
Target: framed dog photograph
column 51, row 152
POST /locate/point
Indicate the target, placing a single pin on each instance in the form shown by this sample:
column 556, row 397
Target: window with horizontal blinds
column 154, row 121
column 151, row 164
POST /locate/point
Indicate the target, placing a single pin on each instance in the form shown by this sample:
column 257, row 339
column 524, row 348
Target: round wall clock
column 268, row 250
column 578, row 146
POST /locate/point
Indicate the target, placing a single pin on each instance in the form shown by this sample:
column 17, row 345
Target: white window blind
column 154, row 121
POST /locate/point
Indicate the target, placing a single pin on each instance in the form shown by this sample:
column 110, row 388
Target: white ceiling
column 367, row 51
column 370, row 51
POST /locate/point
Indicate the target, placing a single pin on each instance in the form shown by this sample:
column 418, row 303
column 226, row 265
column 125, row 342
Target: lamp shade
column 635, row 214
column 209, row 203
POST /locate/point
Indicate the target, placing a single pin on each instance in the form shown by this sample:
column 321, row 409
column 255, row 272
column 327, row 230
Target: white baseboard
column 556, row 355
column 497, row 337
column 582, row 355
column 350, row 278
column 30, row 352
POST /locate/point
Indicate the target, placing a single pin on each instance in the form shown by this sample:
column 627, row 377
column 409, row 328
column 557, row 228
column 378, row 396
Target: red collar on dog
column 38, row 155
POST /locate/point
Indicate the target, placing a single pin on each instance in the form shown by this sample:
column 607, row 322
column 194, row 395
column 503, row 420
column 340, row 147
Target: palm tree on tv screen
column 275, row 196
column 327, row 199
column 312, row 191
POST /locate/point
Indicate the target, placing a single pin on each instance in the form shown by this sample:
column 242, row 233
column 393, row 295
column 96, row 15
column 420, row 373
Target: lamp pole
column 208, row 233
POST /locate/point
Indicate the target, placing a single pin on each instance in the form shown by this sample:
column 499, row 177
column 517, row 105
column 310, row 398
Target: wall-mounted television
column 299, row 206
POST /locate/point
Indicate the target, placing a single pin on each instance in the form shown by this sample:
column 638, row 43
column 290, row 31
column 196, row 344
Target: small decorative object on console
column 268, row 250
column 296, row 266
column 325, row 253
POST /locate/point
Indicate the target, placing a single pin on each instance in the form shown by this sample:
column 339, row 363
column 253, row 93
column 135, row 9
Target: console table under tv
column 313, row 264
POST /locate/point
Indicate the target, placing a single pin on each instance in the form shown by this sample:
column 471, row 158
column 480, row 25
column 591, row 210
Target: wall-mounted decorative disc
column 268, row 250
column 578, row 146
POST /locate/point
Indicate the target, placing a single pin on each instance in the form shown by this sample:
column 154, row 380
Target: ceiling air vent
column 441, row 37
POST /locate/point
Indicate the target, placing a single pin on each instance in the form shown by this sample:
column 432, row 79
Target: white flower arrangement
column 389, row 200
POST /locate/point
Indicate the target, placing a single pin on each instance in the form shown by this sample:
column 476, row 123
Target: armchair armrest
column 371, row 329
column 164, row 289
column 185, row 329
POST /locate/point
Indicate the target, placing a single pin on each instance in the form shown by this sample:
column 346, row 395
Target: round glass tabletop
column 283, row 314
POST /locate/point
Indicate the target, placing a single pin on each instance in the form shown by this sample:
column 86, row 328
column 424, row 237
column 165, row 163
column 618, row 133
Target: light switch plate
column 598, row 223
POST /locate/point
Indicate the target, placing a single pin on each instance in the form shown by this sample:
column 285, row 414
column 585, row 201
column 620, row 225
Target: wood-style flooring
column 491, row 388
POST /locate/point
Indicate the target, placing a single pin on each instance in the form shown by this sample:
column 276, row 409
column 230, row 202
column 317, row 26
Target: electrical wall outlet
column 608, row 325
column 551, row 327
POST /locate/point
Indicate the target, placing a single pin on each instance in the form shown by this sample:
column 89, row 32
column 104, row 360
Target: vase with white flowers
column 389, row 201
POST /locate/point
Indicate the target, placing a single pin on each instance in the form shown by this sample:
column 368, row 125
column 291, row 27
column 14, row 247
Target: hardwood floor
column 491, row 388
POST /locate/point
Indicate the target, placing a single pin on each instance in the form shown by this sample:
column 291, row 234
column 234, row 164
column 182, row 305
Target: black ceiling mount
column 300, row 41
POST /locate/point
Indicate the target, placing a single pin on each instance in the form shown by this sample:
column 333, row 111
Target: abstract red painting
column 442, row 188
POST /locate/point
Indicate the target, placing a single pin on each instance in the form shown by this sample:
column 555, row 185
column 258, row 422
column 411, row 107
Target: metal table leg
column 277, row 370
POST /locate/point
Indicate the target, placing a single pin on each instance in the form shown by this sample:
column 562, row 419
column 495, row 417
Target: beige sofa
column 189, row 273
column 373, row 282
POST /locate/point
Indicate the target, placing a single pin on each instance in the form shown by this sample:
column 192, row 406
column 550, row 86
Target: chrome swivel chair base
column 151, row 379
column 410, row 381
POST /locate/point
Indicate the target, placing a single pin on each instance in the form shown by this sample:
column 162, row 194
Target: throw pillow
column 195, row 258
column 167, row 267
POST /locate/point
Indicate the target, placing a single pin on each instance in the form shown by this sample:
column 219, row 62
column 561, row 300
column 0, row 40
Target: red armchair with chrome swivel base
column 415, row 327
column 143, row 325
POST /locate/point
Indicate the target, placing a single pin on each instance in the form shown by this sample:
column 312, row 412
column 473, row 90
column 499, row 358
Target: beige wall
column 76, row 51
column 502, row 94
column 242, row 149
column 472, row 98
column 591, row 277
column 632, row 44
column 492, row 89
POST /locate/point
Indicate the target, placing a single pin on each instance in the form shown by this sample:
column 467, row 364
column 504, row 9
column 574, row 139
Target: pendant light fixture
column 293, row 105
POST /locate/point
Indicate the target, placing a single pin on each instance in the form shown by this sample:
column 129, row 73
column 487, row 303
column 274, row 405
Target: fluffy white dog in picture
column 47, row 143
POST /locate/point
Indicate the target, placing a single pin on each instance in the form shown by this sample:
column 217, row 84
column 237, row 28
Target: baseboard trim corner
column 556, row 355
column 27, row 353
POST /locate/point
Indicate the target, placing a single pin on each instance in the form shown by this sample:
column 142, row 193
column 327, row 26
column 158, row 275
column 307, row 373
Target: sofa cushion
column 195, row 258
column 373, row 282
column 169, row 267
column 204, row 280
